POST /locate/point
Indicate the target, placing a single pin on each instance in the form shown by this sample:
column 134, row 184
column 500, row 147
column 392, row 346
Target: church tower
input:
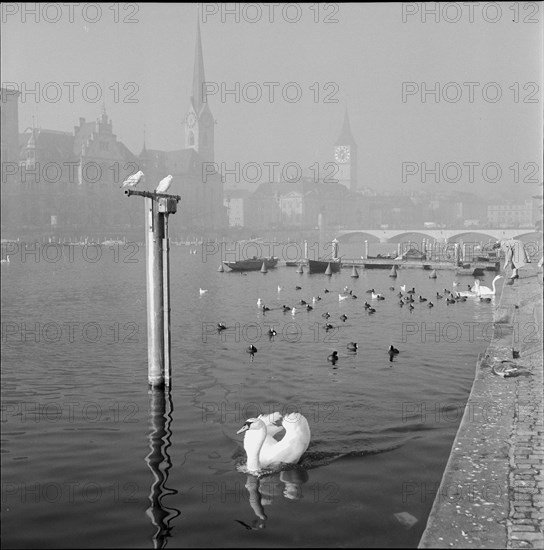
column 199, row 122
column 345, row 156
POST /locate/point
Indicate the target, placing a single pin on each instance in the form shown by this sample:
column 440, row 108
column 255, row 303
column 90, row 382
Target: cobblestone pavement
column 492, row 491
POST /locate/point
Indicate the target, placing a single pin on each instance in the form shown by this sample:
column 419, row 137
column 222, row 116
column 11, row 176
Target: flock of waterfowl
column 405, row 299
column 264, row 448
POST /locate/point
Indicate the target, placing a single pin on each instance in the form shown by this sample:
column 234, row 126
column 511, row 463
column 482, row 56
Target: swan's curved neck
column 253, row 441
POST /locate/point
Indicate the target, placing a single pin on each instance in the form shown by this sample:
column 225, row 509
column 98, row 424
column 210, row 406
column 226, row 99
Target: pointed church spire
column 144, row 148
column 346, row 136
column 104, row 116
column 198, row 72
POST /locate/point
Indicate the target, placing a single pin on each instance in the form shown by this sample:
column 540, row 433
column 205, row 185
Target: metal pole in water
column 157, row 208
column 155, row 296
column 166, row 306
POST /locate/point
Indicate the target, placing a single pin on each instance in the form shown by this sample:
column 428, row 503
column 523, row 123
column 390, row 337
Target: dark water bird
column 303, row 302
column 352, row 346
column 354, row 296
column 298, row 288
column 391, row 288
column 439, row 296
column 343, row 317
column 413, row 291
column 367, row 305
column 411, row 307
column 485, row 299
column 325, row 291
column 421, row 299
column 333, row 357
column 399, row 294
column 515, row 354
column 430, row 304
column 309, row 307
column 328, row 327
column 221, row 326
column 271, row 333
column 265, row 308
column 446, row 291
column 317, row 298
column 371, row 291
column 252, row 350
column 371, row 310
column 461, row 298
column 326, row 315
column 450, row 301
column 286, row 308
column 392, row 351
column 401, row 303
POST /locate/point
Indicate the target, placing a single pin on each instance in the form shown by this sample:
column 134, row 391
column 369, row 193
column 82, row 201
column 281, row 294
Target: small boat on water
column 252, row 264
column 320, row 266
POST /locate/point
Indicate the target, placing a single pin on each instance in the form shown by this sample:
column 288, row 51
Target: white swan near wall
column 485, row 290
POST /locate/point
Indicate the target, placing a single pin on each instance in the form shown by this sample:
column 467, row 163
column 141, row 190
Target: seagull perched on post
column 132, row 181
column 164, row 184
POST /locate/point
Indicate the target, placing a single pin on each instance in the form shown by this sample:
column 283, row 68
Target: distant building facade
column 511, row 214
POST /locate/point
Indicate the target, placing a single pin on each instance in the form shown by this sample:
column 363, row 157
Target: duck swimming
column 252, row 350
column 264, row 451
column 343, row 317
column 333, row 357
column 392, row 351
column 352, row 346
column 221, row 326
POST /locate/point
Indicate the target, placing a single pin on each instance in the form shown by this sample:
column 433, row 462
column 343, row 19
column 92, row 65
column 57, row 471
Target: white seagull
column 164, row 184
column 202, row 291
column 132, row 181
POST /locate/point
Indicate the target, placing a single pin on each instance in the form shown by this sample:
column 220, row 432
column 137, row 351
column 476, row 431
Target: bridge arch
column 358, row 236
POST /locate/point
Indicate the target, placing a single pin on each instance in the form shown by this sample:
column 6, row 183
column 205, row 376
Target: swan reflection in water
column 263, row 490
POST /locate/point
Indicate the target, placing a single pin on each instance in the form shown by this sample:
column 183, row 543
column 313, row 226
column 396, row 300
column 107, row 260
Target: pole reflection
column 159, row 462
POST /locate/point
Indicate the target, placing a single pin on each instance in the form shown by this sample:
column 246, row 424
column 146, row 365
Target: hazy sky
column 363, row 57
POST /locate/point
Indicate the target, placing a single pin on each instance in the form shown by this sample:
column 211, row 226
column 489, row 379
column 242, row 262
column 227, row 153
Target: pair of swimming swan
column 264, row 451
column 479, row 290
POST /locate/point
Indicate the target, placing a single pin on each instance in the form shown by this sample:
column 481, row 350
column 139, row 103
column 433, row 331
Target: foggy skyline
column 364, row 60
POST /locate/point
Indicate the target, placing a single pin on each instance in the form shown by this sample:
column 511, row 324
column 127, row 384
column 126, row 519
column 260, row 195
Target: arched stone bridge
column 441, row 235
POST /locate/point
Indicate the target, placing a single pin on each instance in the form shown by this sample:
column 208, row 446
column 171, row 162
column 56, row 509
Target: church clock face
column 341, row 154
column 190, row 119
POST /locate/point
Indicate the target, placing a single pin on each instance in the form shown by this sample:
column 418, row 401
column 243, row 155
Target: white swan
column 202, row 291
column 340, row 297
column 475, row 286
column 485, row 290
column 263, row 451
column 469, row 293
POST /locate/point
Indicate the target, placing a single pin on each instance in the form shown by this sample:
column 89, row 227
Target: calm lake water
column 91, row 457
